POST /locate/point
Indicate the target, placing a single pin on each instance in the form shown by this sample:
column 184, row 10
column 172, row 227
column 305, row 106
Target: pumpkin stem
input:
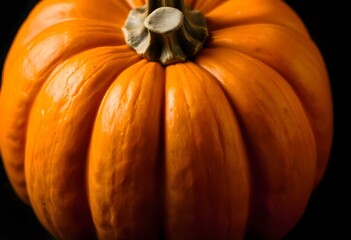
column 165, row 31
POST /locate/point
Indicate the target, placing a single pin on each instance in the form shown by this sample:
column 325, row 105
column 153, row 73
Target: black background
column 327, row 215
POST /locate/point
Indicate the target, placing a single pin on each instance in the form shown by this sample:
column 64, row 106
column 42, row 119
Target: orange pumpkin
column 103, row 143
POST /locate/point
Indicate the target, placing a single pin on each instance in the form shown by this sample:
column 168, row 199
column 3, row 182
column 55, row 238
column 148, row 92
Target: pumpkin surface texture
column 202, row 119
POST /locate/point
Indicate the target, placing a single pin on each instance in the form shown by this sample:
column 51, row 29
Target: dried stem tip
column 165, row 31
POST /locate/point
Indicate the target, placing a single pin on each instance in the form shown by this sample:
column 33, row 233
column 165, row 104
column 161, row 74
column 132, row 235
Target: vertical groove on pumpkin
column 243, row 135
column 128, row 205
column 248, row 151
column 31, row 75
column 222, row 144
column 161, row 166
column 92, row 81
column 288, row 63
column 282, row 106
column 119, row 70
column 199, row 186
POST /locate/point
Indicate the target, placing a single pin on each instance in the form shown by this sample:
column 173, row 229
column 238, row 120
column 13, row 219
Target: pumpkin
column 121, row 119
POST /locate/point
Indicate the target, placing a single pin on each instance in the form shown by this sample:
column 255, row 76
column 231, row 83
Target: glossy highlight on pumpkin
column 102, row 143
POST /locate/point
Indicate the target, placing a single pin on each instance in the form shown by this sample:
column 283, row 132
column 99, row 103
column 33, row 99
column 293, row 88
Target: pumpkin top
column 165, row 31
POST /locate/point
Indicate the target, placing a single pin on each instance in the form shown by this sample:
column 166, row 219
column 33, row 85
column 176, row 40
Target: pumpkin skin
column 102, row 143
